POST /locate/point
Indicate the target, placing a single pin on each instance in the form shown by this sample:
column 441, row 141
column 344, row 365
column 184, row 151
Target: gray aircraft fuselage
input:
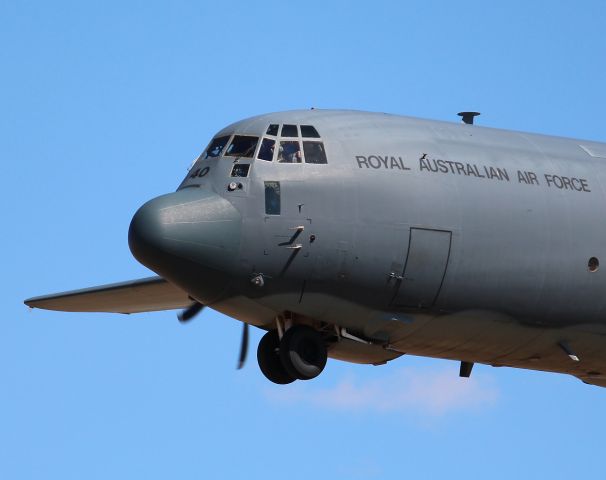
column 422, row 237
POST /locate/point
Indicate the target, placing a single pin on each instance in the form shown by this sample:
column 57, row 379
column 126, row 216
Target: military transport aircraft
column 364, row 236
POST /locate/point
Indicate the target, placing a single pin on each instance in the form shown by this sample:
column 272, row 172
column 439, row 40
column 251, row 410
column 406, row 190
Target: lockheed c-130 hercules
column 364, row 236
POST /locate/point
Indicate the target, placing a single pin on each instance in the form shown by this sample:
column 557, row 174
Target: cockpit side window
column 289, row 131
column 273, row 129
column 216, row 147
column 290, row 152
column 240, row 170
column 242, row 146
column 266, row 152
column 314, row 152
column 309, row 131
column 272, row 198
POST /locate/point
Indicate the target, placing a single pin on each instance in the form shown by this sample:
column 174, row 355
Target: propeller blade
column 190, row 312
column 243, row 346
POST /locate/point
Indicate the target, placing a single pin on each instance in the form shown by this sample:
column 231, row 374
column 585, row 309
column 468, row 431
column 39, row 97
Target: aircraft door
column 425, row 268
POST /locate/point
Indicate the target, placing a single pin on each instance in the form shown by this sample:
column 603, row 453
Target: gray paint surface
column 425, row 268
column 519, row 216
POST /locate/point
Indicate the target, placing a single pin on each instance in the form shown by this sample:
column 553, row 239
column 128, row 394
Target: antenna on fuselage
column 467, row 117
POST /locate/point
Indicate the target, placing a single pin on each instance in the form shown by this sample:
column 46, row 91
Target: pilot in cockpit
column 290, row 152
column 266, row 152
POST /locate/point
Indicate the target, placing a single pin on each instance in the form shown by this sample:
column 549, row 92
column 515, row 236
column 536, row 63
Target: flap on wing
column 143, row 295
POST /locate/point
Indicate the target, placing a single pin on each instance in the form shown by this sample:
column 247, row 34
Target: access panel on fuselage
column 425, row 268
column 287, row 230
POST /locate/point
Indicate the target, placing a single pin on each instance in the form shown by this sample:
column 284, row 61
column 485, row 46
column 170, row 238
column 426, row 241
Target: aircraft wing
column 142, row 295
column 598, row 380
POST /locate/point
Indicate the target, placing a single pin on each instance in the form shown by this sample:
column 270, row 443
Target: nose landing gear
column 300, row 354
column 268, row 356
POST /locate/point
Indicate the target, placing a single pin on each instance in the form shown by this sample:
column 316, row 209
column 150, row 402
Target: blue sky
column 105, row 104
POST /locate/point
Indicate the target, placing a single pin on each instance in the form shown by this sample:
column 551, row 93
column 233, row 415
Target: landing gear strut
column 301, row 354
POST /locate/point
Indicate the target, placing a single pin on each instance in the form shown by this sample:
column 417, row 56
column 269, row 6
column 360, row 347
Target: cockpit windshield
column 290, row 152
column 216, row 147
column 242, row 146
column 291, row 143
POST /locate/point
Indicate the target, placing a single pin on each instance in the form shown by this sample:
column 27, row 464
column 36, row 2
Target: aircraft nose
column 191, row 237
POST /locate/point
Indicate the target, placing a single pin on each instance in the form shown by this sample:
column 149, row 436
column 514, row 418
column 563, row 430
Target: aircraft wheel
column 303, row 352
column 268, row 357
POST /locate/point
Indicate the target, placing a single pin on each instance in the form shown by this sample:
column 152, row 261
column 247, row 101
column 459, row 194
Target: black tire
column 303, row 352
column 268, row 357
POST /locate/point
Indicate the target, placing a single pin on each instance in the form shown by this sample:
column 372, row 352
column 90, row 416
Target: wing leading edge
column 142, row 295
